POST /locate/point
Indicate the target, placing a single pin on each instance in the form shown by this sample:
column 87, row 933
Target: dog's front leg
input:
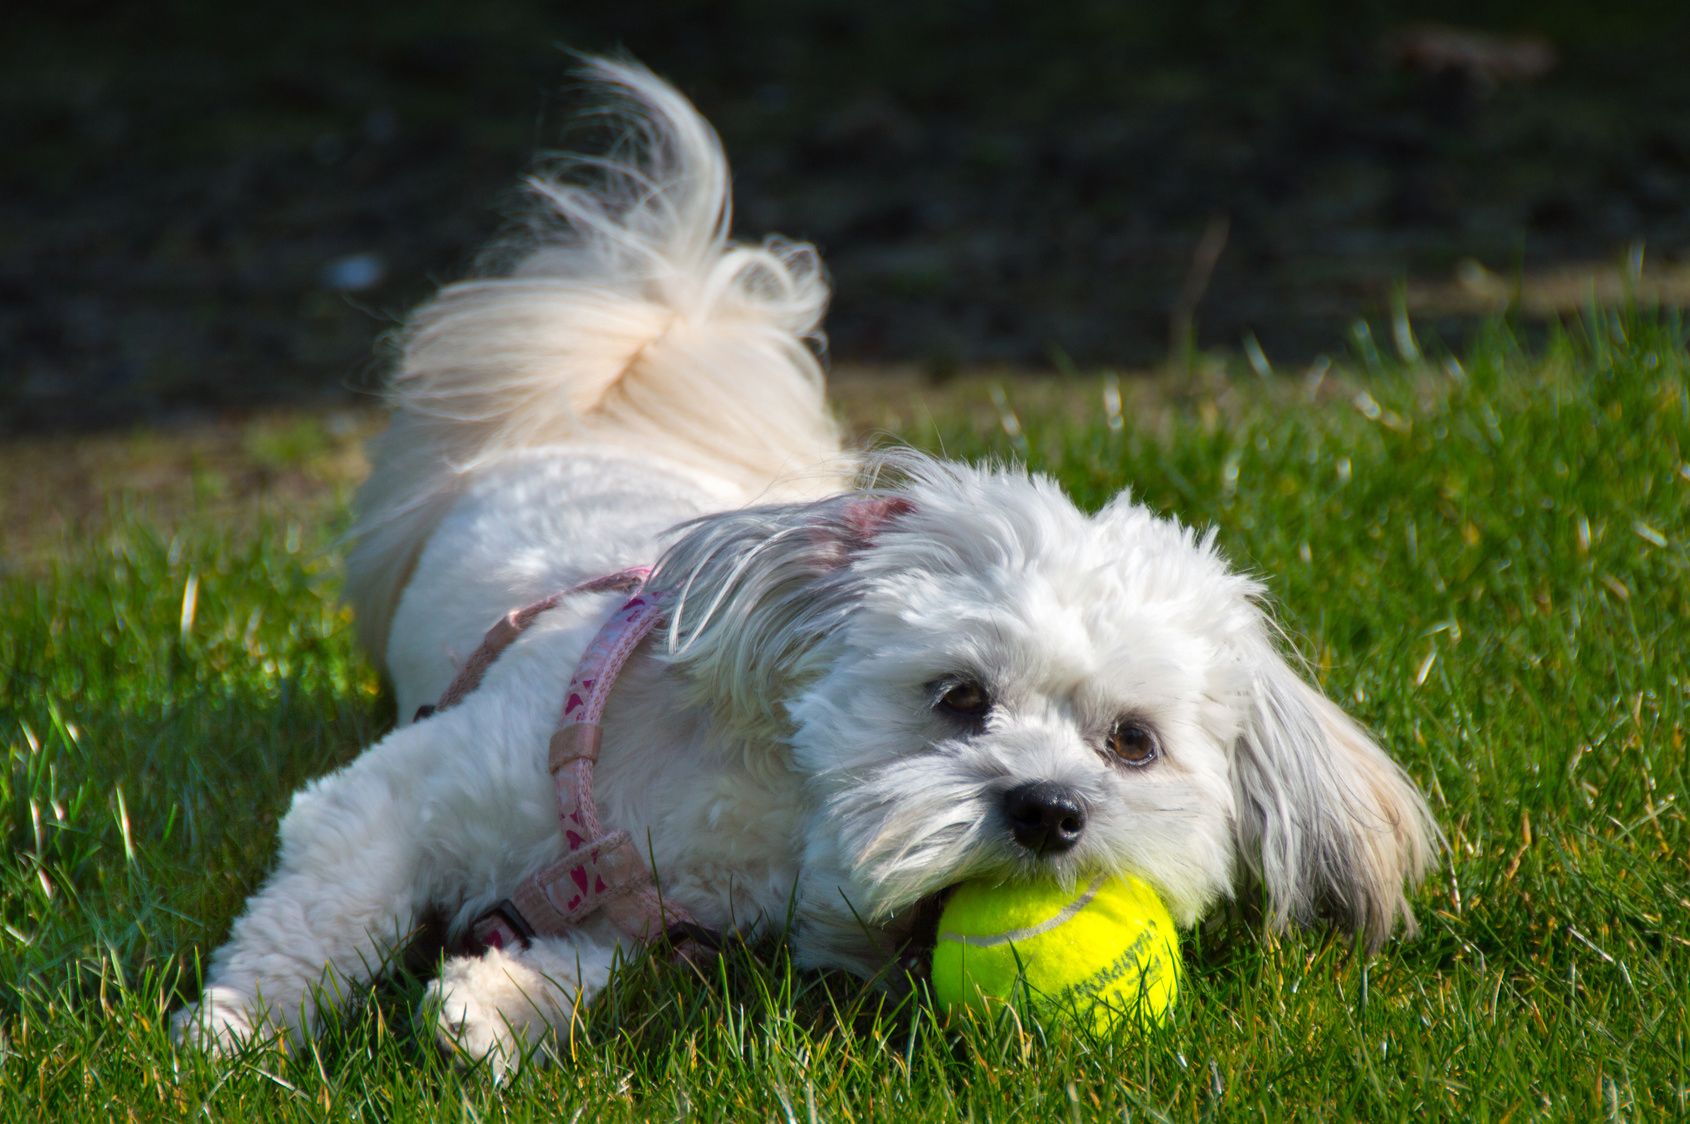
column 342, row 899
column 500, row 1005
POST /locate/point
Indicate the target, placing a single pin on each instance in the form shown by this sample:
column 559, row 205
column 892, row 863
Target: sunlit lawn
column 1487, row 559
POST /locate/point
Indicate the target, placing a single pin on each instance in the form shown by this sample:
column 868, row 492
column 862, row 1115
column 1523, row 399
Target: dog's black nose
column 1045, row 817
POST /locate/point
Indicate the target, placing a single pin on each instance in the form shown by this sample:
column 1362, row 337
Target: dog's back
column 627, row 320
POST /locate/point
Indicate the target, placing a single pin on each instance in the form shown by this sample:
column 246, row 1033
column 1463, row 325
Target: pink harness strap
column 516, row 622
column 603, row 869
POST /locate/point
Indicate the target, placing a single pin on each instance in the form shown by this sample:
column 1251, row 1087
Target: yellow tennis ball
column 1104, row 951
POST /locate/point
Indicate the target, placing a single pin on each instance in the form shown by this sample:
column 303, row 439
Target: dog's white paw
column 221, row 1023
column 493, row 1008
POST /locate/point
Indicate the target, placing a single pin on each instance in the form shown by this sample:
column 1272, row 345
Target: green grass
column 1487, row 560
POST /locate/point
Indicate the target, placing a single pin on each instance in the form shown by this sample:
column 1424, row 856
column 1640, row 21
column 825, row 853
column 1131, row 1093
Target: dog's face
column 1025, row 690
column 980, row 681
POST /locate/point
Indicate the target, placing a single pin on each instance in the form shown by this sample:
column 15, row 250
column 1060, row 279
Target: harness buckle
column 500, row 926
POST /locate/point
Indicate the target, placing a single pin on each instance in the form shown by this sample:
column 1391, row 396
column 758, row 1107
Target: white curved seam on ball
column 1061, row 917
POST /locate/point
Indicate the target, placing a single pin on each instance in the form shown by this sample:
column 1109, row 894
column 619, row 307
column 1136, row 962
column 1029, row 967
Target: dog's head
column 978, row 680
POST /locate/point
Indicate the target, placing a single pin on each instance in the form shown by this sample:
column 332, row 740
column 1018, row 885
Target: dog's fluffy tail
column 628, row 318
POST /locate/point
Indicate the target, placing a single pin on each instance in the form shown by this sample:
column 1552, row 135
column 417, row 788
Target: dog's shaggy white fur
column 876, row 681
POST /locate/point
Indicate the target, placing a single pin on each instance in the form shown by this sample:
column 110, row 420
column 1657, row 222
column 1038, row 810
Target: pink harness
column 603, row 869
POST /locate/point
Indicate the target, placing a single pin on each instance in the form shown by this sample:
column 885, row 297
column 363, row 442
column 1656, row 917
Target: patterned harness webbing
column 603, row 869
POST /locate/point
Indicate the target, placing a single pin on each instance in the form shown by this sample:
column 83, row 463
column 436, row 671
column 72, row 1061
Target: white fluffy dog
column 871, row 683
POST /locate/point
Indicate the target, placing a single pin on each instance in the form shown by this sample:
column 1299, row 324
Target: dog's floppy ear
column 752, row 592
column 1329, row 824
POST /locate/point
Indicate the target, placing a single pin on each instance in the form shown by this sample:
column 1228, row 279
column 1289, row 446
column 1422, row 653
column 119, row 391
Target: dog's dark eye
column 1132, row 742
column 965, row 700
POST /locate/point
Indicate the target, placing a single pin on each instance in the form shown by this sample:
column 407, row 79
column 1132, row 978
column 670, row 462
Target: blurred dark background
column 209, row 206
